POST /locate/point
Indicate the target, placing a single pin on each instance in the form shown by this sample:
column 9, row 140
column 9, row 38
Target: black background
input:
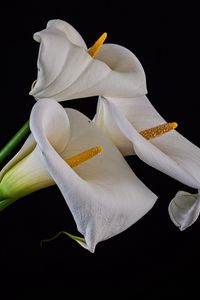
column 151, row 258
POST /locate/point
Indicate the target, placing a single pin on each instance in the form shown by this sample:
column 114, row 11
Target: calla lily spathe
column 171, row 153
column 66, row 70
column 103, row 194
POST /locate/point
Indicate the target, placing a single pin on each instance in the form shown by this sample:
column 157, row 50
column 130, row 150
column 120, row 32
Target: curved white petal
column 105, row 120
column 103, row 194
column 138, row 111
column 67, row 71
column 170, row 153
column 127, row 78
column 184, row 209
column 27, row 172
column 71, row 33
column 50, row 118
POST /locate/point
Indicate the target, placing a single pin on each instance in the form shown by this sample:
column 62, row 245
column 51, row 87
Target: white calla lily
column 116, row 75
column 123, row 119
column 103, row 194
column 66, row 69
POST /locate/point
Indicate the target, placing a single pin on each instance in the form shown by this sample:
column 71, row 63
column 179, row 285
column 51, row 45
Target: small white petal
column 184, row 209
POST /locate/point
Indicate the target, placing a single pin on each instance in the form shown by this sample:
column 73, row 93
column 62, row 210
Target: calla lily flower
column 67, row 69
column 101, row 191
column 124, row 120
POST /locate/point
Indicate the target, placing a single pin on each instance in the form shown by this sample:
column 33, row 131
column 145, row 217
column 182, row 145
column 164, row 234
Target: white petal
column 170, row 153
column 105, row 120
column 103, row 194
column 127, row 78
column 142, row 115
column 138, row 111
column 184, row 209
column 71, row 33
column 27, row 172
column 50, row 119
column 67, row 71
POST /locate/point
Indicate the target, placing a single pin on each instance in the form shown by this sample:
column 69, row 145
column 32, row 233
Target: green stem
column 73, row 237
column 12, row 144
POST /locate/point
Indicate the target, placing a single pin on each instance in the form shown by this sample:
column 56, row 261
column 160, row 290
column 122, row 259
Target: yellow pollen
column 33, row 84
column 158, row 130
column 97, row 45
column 83, row 156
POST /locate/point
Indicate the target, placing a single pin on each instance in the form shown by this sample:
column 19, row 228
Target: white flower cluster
column 102, row 192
